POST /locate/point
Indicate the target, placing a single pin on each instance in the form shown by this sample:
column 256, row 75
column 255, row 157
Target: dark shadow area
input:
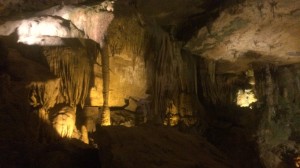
column 26, row 139
column 233, row 131
column 231, row 128
column 156, row 146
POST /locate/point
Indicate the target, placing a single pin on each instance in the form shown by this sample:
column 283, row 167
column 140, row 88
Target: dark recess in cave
column 133, row 83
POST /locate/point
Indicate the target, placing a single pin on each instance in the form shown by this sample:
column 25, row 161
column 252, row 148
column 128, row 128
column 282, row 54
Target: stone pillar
column 105, row 119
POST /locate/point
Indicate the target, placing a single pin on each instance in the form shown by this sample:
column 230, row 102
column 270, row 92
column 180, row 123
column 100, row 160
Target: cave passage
column 133, row 83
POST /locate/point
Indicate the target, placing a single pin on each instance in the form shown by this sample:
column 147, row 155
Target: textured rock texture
column 166, row 147
column 57, row 56
column 126, row 44
column 61, row 22
column 28, row 140
column 64, row 121
column 251, row 31
column 278, row 140
column 18, row 7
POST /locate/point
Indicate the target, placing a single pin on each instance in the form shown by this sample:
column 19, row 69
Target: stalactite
column 73, row 66
column 216, row 89
column 164, row 62
column 211, row 67
column 44, row 95
column 195, row 79
column 126, row 36
column 174, row 78
column 125, row 40
column 269, row 93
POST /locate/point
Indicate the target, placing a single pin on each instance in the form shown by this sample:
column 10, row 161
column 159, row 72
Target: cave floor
column 156, row 146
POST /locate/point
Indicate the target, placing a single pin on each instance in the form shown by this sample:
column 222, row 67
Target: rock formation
column 224, row 70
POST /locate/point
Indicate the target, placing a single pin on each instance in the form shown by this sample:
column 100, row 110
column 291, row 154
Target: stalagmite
column 85, row 136
column 64, row 121
column 105, row 118
column 44, row 96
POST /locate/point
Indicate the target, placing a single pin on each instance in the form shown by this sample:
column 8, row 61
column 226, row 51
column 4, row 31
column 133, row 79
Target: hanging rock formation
column 224, row 69
column 251, row 31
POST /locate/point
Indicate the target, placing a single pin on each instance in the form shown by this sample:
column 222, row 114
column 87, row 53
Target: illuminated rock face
column 54, row 24
column 64, row 121
column 128, row 78
column 125, row 81
column 252, row 31
column 44, row 30
column 75, row 80
column 242, row 34
column 172, row 116
column 92, row 20
column 245, row 98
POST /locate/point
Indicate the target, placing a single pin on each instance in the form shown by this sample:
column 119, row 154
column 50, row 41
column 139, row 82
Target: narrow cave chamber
column 133, row 83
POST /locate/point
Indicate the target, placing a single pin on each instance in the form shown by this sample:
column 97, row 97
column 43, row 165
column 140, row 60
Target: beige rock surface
column 250, row 32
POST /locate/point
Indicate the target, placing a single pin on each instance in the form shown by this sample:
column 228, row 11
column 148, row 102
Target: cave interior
column 153, row 84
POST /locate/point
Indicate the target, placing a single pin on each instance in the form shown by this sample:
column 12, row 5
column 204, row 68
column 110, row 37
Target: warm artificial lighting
column 297, row 161
column 42, row 26
column 45, row 31
column 171, row 120
column 245, row 98
column 50, row 26
column 64, row 122
column 85, row 136
column 107, row 5
column 105, row 121
column 43, row 41
column 172, row 116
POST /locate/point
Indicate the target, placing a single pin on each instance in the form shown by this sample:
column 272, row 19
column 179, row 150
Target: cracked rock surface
column 252, row 31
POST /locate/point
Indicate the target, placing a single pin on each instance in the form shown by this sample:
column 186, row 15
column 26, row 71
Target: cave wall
column 264, row 133
column 151, row 74
column 19, row 7
column 247, row 31
column 126, row 43
column 27, row 139
column 145, row 63
column 278, row 129
column 148, row 68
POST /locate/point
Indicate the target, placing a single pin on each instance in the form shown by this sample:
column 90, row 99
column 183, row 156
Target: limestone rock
column 49, row 26
column 123, row 118
column 9, row 7
column 90, row 19
column 64, row 121
column 251, row 31
column 126, row 44
column 90, row 118
column 85, row 136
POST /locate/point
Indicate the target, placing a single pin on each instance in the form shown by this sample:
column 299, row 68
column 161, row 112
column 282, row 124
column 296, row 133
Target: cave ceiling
column 236, row 34
column 251, row 32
